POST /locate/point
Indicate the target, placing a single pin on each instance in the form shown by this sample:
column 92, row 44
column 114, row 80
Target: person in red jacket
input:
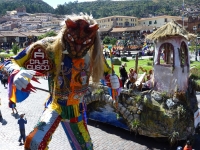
column 188, row 146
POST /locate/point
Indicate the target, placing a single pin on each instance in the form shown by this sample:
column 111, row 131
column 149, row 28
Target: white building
column 51, row 23
column 44, row 18
column 117, row 21
column 157, row 21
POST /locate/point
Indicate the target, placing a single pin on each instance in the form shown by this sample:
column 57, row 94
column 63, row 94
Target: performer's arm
column 107, row 68
column 32, row 61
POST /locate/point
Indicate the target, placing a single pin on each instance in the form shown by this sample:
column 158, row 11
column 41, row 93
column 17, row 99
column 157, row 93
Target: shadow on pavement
column 150, row 143
column 16, row 116
column 3, row 122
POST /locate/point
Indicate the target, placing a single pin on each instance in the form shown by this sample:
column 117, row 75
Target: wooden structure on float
column 171, row 58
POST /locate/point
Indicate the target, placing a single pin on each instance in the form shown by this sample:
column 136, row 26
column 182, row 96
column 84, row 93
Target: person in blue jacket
column 22, row 123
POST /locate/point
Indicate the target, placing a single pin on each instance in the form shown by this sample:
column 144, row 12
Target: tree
column 106, row 40
column 15, row 48
column 109, row 40
column 113, row 41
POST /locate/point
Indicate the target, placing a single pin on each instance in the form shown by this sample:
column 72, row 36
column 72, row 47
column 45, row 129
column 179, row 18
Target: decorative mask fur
column 79, row 37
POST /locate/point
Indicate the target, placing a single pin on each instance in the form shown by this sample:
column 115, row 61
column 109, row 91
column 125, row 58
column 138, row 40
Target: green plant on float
column 135, row 124
column 173, row 138
column 181, row 111
column 138, row 98
column 164, row 95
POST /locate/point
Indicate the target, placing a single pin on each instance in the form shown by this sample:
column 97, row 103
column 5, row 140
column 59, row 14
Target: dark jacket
column 21, row 123
column 123, row 72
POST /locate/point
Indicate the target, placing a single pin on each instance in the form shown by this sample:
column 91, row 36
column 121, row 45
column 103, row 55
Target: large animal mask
column 79, row 37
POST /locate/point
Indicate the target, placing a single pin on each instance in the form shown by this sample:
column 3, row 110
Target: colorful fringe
column 74, row 125
column 39, row 138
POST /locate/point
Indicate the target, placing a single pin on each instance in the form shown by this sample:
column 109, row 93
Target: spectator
column 22, row 123
column 13, row 106
column 105, row 55
column 5, row 79
column 123, row 73
column 1, row 118
column 119, row 53
column 148, row 84
column 1, row 76
column 132, row 77
column 188, row 146
column 108, row 55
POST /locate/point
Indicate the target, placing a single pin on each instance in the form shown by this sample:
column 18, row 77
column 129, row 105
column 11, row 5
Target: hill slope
column 102, row 8
column 32, row 6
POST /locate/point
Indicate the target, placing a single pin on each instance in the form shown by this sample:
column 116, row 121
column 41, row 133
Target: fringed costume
column 70, row 60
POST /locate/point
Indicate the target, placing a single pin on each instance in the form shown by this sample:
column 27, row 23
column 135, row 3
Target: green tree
column 109, row 40
column 106, row 40
column 113, row 41
column 15, row 48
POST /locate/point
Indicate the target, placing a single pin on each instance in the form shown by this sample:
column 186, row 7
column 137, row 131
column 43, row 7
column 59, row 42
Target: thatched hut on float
column 171, row 58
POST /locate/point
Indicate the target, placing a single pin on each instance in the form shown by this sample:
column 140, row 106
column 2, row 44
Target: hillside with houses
column 19, row 26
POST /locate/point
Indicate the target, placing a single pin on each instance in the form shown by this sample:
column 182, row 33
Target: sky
column 54, row 3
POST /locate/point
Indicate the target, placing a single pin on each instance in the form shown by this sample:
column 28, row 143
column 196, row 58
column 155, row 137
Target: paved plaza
column 104, row 137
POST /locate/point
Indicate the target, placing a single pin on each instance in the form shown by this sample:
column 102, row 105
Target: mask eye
column 70, row 37
column 87, row 41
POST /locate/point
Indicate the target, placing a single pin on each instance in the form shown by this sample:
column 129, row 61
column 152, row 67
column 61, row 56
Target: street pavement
column 104, row 137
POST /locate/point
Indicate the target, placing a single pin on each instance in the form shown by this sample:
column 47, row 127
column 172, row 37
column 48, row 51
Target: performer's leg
column 39, row 138
column 76, row 130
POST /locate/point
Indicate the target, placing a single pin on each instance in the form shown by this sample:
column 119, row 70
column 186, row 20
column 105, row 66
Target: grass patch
column 147, row 64
column 195, row 73
column 4, row 55
column 144, row 63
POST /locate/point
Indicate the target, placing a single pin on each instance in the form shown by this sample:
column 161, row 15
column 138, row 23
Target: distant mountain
column 104, row 8
column 137, row 8
column 32, row 6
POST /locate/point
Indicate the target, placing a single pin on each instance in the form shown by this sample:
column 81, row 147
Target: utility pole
column 195, row 29
column 183, row 13
column 196, row 47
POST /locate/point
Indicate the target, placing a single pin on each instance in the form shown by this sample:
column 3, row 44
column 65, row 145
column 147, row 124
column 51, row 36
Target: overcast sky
column 54, row 3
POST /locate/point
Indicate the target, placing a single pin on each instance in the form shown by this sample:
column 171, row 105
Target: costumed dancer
column 70, row 59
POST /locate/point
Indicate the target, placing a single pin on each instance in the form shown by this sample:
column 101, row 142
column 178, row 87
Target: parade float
column 170, row 108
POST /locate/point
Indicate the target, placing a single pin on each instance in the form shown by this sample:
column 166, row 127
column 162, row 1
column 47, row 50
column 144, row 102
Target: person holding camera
column 22, row 123
column 188, row 146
